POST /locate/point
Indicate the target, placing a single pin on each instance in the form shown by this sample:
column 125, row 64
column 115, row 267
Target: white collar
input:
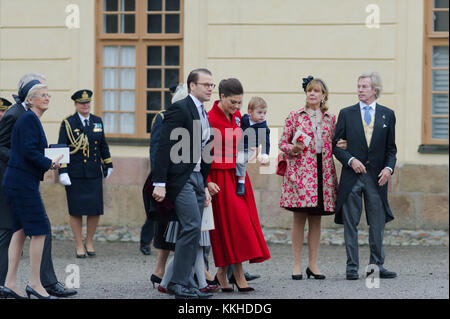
column 372, row 105
column 25, row 106
column 82, row 118
column 196, row 101
column 253, row 123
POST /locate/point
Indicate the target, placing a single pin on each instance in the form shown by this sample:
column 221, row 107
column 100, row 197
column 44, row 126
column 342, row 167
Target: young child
column 255, row 120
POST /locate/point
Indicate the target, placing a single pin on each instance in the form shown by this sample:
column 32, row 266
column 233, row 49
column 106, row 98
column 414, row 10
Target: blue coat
column 257, row 128
column 28, row 143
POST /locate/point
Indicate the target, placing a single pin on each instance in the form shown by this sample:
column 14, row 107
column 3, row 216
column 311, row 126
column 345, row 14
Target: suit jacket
column 154, row 138
column 28, row 142
column 87, row 163
column 180, row 115
column 379, row 154
column 6, row 127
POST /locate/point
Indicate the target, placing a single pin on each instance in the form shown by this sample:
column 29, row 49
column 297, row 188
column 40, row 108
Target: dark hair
column 193, row 77
column 230, row 86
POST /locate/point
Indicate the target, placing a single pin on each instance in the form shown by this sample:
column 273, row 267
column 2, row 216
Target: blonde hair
column 320, row 83
column 256, row 102
column 375, row 79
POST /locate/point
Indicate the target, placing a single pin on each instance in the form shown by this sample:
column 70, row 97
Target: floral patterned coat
column 299, row 188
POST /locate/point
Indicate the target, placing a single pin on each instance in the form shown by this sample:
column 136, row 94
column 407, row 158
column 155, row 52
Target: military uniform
column 4, row 105
column 88, row 149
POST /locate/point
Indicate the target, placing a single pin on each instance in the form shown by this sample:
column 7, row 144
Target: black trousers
column 48, row 276
column 147, row 232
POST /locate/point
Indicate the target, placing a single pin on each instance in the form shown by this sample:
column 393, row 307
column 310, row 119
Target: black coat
column 85, row 164
column 6, row 126
column 380, row 154
column 180, row 115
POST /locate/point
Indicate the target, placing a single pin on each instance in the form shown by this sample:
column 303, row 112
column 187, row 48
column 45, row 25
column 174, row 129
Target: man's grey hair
column 30, row 77
column 32, row 93
column 375, row 79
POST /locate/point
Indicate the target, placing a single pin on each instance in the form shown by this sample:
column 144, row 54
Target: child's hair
column 257, row 102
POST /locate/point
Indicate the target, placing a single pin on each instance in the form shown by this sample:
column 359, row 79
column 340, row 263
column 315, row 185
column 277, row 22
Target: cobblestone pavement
column 330, row 236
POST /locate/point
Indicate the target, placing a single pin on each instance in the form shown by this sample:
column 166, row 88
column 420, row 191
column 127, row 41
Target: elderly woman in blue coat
column 26, row 168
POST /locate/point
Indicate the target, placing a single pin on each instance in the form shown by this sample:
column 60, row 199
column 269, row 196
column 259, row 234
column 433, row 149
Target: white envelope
column 207, row 219
column 54, row 152
column 306, row 137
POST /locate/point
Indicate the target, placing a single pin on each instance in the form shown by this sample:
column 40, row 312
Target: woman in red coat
column 237, row 236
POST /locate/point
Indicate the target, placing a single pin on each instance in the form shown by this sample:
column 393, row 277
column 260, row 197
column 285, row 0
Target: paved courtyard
column 120, row 271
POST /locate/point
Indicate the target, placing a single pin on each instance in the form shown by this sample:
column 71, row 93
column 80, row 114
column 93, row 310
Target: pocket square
column 384, row 125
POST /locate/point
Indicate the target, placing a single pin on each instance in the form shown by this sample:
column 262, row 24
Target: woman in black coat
column 26, row 168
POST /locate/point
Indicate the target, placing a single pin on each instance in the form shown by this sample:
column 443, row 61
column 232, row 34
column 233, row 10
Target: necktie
column 367, row 116
column 86, row 123
column 205, row 126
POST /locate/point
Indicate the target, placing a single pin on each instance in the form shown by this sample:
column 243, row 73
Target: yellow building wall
column 268, row 44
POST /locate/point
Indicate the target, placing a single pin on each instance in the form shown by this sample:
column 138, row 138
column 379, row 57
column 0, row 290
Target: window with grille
column 436, row 60
column 139, row 49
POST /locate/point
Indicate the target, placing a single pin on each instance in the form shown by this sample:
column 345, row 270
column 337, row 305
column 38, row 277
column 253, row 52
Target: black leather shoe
column 89, row 253
column 181, row 292
column 240, row 189
column 145, row 250
column 58, row 290
column 8, row 293
column 155, row 279
column 297, row 277
column 309, row 273
column 249, row 277
column 353, row 275
column 385, row 274
column 202, row 295
column 30, row 291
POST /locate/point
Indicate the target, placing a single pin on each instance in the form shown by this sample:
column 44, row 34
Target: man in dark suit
column 48, row 276
column 180, row 175
column 367, row 166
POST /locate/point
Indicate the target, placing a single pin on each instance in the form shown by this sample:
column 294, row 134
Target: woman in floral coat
column 309, row 185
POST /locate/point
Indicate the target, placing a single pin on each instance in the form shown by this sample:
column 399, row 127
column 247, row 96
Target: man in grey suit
column 48, row 276
column 367, row 166
column 182, row 172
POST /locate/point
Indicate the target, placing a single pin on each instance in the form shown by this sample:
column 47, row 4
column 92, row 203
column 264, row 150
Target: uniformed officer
column 90, row 160
column 4, row 105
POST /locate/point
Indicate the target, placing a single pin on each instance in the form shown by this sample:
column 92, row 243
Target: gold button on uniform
column 85, row 161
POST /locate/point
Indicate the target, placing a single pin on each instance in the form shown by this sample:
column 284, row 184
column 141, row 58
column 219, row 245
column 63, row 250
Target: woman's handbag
column 281, row 164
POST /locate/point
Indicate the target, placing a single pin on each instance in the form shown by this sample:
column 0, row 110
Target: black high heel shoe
column 309, row 273
column 244, row 289
column 30, row 291
column 297, row 277
column 8, row 293
column 155, row 280
column 89, row 253
column 223, row 289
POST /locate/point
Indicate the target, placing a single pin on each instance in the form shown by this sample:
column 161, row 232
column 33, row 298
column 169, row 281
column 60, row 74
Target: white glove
column 65, row 179
column 110, row 170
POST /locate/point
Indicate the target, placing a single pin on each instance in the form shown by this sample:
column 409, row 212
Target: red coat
column 226, row 137
column 235, row 217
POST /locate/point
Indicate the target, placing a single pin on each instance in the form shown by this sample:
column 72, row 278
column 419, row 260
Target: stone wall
column 418, row 195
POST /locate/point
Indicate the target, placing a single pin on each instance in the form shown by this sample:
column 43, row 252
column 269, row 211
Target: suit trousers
column 48, row 276
column 376, row 218
column 189, row 210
